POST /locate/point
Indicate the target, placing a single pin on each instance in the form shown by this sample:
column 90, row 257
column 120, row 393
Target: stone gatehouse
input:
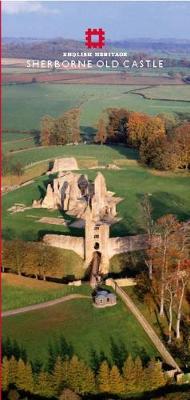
column 92, row 203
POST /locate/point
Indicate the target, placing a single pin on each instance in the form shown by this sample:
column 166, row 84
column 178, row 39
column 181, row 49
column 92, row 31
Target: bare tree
column 170, row 295
column 183, row 279
column 166, row 226
column 149, row 226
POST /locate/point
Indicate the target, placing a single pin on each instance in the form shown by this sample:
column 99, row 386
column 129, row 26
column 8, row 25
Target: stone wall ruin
column 92, row 203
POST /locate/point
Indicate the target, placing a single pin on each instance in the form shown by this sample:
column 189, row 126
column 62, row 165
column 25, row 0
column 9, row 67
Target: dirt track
column 40, row 306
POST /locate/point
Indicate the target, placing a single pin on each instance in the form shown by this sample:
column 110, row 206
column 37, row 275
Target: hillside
column 54, row 48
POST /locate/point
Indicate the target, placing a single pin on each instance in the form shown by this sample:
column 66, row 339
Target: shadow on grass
column 88, row 133
column 11, row 234
column 166, row 203
column 72, row 231
column 59, row 347
column 123, row 150
column 96, row 359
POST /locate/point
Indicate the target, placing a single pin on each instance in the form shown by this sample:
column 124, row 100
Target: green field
column 178, row 92
column 14, row 136
column 169, row 193
column 20, row 291
column 91, row 331
column 104, row 154
column 24, row 105
column 14, row 145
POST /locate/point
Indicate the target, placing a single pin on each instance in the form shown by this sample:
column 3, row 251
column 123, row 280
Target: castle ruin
column 91, row 203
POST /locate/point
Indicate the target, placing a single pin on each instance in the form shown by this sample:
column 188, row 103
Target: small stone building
column 104, row 299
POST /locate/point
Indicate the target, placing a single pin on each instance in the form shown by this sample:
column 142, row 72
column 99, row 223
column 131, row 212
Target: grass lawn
column 113, row 331
column 169, row 194
column 24, row 105
column 29, row 173
column 20, row 291
column 104, row 154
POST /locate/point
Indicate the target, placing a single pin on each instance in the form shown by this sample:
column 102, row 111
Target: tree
column 148, row 224
column 41, row 260
column 169, row 152
column 7, row 348
column 12, row 370
column 62, row 130
column 17, row 169
column 80, row 377
column 182, row 144
column 136, row 128
column 75, row 374
column 154, row 376
column 139, row 375
column 163, row 254
column 117, row 385
column 143, row 128
column 101, row 134
column 89, row 382
column 171, row 272
column 57, row 375
column 183, row 280
column 47, row 130
column 76, row 125
column 117, row 125
column 24, row 378
column 45, row 261
column 103, row 378
column 170, row 122
column 5, row 374
column 170, row 294
column 159, row 153
column 44, row 386
column 130, row 375
column 133, row 375
column 17, row 256
column 10, row 167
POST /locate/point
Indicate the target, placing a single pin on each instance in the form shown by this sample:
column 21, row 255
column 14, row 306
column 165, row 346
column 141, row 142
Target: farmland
column 24, row 105
column 181, row 93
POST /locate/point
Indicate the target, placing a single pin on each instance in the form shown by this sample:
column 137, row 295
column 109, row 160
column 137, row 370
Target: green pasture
column 13, row 136
column 16, row 145
column 104, row 154
column 168, row 194
column 25, row 105
column 178, row 92
column 110, row 332
column 18, row 295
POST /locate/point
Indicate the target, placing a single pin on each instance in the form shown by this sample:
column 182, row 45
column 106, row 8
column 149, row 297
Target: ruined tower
column 96, row 240
column 93, row 205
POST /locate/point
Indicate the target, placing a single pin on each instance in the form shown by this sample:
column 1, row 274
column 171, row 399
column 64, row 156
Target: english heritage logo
column 94, row 38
